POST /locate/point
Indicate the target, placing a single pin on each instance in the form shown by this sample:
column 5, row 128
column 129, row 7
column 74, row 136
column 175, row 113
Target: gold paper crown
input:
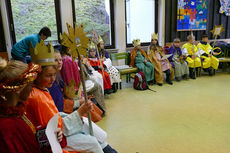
column 100, row 39
column 42, row 54
column 155, row 36
column 136, row 42
column 91, row 45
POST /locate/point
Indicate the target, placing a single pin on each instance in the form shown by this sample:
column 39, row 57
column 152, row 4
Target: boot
column 168, row 80
column 192, row 73
column 210, row 73
column 114, row 87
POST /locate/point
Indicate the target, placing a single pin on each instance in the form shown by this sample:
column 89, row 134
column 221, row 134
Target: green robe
column 147, row 68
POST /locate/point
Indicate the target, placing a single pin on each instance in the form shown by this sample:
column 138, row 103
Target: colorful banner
column 191, row 14
column 225, row 7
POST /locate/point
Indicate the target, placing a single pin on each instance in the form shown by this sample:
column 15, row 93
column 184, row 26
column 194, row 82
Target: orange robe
column 40, row 108
column 95, row 63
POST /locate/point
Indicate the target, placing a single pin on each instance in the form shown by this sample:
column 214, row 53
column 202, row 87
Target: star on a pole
column 217, row 30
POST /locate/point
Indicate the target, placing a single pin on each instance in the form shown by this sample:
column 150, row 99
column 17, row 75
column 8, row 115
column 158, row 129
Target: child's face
column 205, row 39
column 92, row 53
column 154, row 41
column 102, row 45
column 177, row 44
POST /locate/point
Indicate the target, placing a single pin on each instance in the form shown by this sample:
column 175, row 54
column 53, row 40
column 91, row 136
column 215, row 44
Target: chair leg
column 127, row 78
column 120, row 85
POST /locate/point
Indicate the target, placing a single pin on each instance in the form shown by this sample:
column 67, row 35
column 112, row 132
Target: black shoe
column 151, row 83
column 169, row 82
column 114, row 87
column 210, row 73
column 159, row 84
column 177, row 79
column 185, row 77
column 108, row 91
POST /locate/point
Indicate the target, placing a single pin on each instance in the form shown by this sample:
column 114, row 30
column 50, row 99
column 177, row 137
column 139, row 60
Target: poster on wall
column 225, row 7
column 191, row 14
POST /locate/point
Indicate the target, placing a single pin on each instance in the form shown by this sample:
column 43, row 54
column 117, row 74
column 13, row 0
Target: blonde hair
column 190, row 37
column 176, row 40
column 11, row 69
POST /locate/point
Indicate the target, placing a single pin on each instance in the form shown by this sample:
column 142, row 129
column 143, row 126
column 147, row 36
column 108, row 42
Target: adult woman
column 15, row 86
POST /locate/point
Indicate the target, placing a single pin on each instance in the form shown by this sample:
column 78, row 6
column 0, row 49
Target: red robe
column 95, row 63
column 15, row 135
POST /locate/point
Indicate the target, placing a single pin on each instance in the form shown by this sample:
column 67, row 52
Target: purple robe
column 57, row 95
column 172, row 50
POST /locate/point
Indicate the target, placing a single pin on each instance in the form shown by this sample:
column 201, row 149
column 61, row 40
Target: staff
column 78, row 42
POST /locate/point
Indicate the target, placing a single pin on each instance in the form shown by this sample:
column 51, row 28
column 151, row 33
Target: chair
column 124, row 69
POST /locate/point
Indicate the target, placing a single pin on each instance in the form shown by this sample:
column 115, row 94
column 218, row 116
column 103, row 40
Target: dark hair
column 151, row 44
column 204, row 35
column 45, row 31
column 64, row 50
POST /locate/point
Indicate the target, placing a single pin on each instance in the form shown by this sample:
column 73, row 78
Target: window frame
column 112, row 46
column 11, row 20
column 156, row 25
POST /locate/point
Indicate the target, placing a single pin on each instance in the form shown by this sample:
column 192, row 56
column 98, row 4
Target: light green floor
column 189, row 117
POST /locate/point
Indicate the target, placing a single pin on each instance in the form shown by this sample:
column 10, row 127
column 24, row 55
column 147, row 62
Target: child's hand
column 209, row 55
column 59, row 134
column 85, row 108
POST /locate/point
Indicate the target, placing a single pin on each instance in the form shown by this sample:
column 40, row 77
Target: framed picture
column 191, row 14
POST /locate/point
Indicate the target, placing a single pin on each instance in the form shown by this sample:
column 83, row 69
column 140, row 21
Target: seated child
column 113, row 72
column 209, row 62
column 190, row 51
column 100, row 67
column 156, row 54
column 177, row 60
column 141, row 61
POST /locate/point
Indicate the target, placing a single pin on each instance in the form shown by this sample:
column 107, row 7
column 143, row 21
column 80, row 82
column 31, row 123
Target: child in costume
column 17, row 133
column 209, row 62
column 190, row 51
column 70, row 70
column 141, row 61
column 99, row 66
column 113, row 72
column 177, row 61
column 155, row 55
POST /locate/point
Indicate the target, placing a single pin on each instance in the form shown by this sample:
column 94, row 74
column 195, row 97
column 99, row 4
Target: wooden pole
column 85, row 93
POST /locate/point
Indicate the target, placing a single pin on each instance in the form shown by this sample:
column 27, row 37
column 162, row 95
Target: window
column 140, row 20
column 29, row 16
column 97, row 15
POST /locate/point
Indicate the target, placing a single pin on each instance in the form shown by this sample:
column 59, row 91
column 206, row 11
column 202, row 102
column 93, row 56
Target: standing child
column 178, row 62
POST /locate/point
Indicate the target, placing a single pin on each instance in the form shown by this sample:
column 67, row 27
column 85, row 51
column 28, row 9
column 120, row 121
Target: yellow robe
column 208, row 61
column 192, row 62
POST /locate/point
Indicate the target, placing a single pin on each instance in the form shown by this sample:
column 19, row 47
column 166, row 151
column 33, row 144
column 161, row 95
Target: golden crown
column 91, row 45
column 100, row 39
column 42, row 54
column 136, row 42
column 155, row 36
